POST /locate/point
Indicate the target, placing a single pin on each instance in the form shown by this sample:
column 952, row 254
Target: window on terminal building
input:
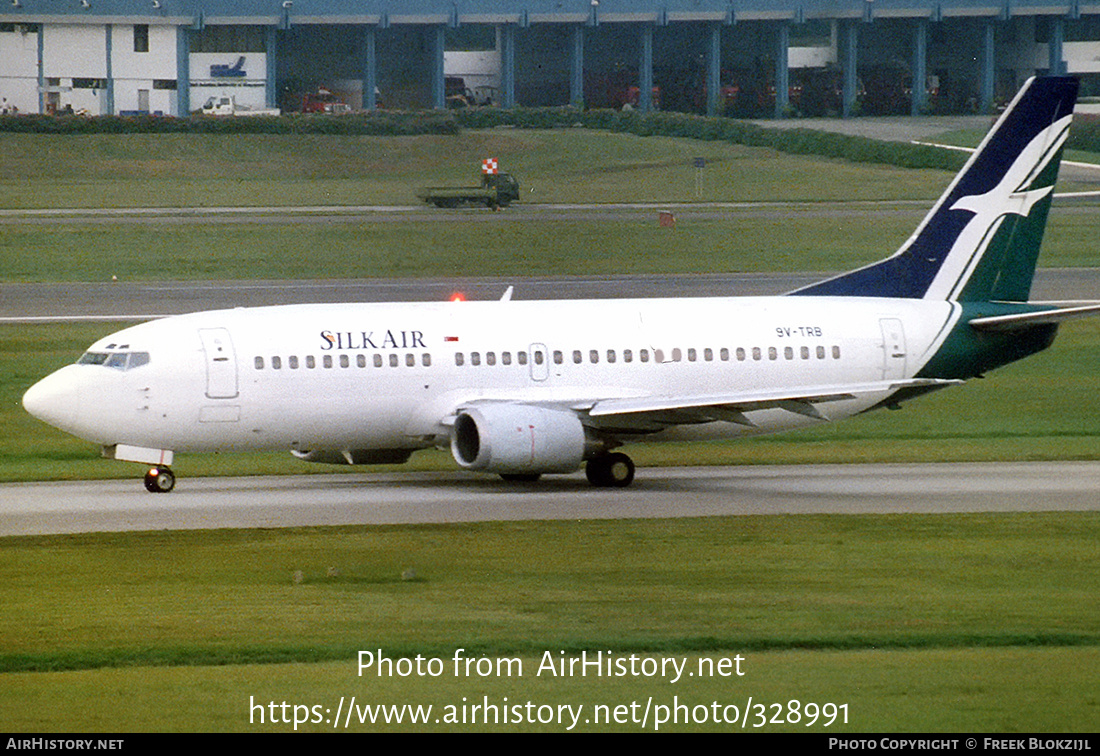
column 141, row 38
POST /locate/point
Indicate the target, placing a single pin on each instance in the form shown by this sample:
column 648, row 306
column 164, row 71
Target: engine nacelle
column 517, row 439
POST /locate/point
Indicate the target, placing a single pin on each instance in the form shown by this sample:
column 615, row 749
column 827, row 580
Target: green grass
column 475, row 244
column 574, row 165
column 868, row 610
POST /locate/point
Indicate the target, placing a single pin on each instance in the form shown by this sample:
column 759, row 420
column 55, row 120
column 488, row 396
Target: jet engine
column 517, row 439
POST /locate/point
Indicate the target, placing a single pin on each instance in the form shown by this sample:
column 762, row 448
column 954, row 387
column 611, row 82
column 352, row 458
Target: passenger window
column 708, row 354
column 558, row 359
column 644, row 355
column 292, row 363
column 361, row 360
column 410, row 360
column 691, row 355
column 426, row 359
column 326, row 361
column 628, row 356
column 259, row 362
column 724, row 355
column 540, row 357
column 805, row 353
column 773, row 353
column 311, row 362
column 505, row 358
column 475, row 358
column 788, row 353
column 836, row 353
column 821, row 352
column 677, row 355
column 490, row 358
column 521, row 358
column 740, row 354
column 378, row 360
column 344, row 361
column 276, row 363
column 756, row 353
column 610, row 355
column 593, row 356
column 459, row 358
column 578, row 358
column 393, row 360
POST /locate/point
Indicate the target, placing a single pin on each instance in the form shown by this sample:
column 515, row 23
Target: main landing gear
column 615, row 470
column 160, row 479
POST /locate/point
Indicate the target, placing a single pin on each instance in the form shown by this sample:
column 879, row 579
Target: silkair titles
column 372, row 340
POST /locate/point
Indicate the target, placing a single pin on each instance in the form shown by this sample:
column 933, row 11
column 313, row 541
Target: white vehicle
column 226, row 105
column 521, row 389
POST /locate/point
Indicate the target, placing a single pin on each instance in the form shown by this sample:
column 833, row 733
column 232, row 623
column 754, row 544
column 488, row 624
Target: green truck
column 496, row 190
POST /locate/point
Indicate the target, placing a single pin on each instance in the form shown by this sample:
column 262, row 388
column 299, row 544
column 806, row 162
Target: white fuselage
column 390, row 376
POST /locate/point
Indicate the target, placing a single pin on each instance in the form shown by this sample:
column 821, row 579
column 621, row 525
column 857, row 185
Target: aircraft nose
column 54, row 400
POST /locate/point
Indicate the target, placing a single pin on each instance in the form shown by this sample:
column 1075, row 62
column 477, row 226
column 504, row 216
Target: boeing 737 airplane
column 523, row 388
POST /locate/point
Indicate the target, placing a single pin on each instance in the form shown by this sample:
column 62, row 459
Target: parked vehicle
column 324, row 101
column 226, row 105
column 496, row 190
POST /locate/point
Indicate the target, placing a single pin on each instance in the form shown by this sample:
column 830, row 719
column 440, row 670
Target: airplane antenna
column 507, row 294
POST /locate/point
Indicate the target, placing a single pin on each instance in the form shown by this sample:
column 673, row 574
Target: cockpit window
column 116, row 360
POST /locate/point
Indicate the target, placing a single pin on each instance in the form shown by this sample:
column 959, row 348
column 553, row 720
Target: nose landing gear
column 160, row 479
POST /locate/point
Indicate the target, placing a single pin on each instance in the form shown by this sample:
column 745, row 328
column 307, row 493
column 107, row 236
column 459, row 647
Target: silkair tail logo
column 981, row 240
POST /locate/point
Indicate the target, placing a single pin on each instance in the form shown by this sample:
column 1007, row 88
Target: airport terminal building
column 753, row 58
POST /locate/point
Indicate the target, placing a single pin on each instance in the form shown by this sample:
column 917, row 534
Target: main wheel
column 160, row 480
column 615, row 470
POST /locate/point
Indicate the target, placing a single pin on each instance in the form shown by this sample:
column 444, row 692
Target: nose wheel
column 160, row 480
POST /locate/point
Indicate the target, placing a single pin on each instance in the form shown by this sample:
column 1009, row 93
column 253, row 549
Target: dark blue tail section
column 981, row 240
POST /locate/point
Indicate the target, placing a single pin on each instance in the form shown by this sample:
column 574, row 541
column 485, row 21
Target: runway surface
column 394, row 498
column 43, row 302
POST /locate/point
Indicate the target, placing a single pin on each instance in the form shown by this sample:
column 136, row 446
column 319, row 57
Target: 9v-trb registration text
column 560, row 664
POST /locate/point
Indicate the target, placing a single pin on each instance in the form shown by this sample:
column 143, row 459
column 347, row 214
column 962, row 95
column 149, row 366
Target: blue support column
column 438, row 82
column 271, row 75
column 576, row 78
column 988, row 68
column 110, row 95
column 782, row 70
column 919, row 94
column 41, row 70
column 370, row 68
column 851, row 61
column 183, row 71
column 1056, row 65
column 508, row 65
column 714, row 69
column 645, row 70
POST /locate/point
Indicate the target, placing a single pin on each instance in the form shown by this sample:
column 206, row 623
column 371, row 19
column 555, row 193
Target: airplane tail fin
column 981, row 239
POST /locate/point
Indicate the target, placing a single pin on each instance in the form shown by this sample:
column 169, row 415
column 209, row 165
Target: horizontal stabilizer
column 1043, row 317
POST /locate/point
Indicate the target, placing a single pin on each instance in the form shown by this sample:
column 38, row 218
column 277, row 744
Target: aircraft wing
column 802, row 400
